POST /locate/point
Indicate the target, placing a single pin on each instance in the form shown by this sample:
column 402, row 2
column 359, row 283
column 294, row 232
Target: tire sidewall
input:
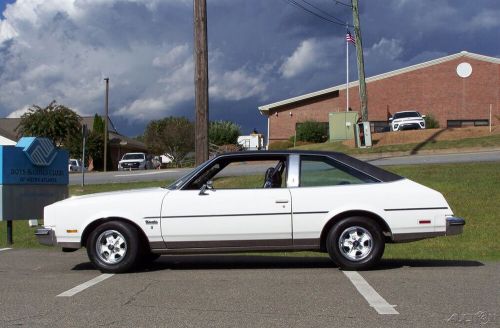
column 332, row 243
column 132, row 239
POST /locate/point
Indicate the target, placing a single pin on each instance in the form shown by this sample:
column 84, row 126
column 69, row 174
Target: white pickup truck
column 134, row 161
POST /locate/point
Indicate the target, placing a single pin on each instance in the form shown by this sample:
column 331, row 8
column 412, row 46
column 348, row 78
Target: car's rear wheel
column 114, row 247
column 355, row 243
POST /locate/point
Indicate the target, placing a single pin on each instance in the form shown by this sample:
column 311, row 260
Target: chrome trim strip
column 234, row 249
column 312, row 242
column 293, row 171
column 222, row 215
column 415, row 209
column 229, row 243
column 157, row 244
column 407, row 237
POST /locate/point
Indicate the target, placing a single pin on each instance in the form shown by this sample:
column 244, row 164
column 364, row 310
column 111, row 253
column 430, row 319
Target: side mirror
column 209, row 185
column 423, row 116
column 390, row 118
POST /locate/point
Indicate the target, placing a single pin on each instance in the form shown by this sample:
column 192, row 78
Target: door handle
column 281, row 201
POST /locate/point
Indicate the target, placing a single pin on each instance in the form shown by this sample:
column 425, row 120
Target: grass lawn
column 480, row 142
column 472, row 190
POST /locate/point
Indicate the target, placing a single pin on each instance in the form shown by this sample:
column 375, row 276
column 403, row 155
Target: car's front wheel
column 114, row 247
column 355, row 243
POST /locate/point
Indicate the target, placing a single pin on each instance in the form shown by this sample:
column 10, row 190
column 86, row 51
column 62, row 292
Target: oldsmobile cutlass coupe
column 254, row 201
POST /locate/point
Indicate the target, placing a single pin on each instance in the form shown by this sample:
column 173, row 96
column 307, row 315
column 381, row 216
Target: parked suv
column 134, row 161
column 407, row 120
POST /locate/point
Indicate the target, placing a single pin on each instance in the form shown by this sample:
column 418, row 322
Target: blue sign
column 33, row 161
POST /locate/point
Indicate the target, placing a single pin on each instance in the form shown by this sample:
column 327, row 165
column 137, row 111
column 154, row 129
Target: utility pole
column 361, row 64
column 201, row 80
column 106, row 125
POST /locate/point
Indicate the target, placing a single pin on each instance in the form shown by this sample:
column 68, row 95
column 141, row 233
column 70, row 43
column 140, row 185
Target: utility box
column 33, row 174
column 363, row 135
column 342, row 125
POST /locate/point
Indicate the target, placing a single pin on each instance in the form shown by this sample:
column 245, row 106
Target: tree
column 171, row 135
column 223, row 133
column 95, row 143
column 56, row 122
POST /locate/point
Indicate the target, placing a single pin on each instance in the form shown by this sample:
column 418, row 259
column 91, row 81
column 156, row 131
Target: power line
column 324, row 12
column 337, row 21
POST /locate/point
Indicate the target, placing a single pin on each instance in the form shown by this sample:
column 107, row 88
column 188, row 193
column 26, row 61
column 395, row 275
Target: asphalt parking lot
column 45, row 288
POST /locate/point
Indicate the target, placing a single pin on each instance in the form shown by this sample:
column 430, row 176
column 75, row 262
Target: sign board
column 33, row 174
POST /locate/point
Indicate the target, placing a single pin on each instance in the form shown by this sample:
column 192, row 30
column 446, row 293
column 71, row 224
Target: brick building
column 457, row 90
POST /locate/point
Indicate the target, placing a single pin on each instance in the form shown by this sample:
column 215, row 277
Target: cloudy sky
column 260, row 51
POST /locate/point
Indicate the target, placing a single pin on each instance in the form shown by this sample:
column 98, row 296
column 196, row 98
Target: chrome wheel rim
column 355, row 243
column 111, row 247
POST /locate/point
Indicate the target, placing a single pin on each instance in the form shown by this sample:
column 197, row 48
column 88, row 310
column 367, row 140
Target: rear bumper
column 46, row 236
column 454, row 225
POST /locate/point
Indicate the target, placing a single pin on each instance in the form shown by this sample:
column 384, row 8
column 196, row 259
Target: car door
column 254, row 218
column 325, row 186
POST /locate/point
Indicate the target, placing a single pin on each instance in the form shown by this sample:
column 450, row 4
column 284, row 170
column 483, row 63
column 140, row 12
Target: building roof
column 265, row 108
column 8, row 128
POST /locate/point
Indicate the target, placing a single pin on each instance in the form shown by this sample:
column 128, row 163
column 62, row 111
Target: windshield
column 133, row 156
column 406, row 114
column 179, row 182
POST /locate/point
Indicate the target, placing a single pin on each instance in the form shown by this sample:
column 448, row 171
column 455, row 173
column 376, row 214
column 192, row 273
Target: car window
column 243, row 174
column 406, row 114
column 133, row 156
column 323, row 171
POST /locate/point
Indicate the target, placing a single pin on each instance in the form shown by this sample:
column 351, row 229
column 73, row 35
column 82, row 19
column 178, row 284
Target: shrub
column 312, row 131
column 223, row 133
column 431, row 122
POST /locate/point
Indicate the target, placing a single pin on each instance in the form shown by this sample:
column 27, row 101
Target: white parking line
column 371, row 296
column 4, row 249
column 85, row 285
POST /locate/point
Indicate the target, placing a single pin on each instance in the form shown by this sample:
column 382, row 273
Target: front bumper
column 454, row 225
column 46, row 236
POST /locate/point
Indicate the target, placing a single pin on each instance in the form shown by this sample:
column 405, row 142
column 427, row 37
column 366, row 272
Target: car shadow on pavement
column 228, row 262
column 400, row 263
column 223, row 262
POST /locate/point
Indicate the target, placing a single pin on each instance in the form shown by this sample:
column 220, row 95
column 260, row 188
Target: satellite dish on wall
column 464, row 70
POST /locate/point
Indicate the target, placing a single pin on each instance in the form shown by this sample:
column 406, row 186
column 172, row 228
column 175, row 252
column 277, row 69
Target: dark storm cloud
column 260, row 51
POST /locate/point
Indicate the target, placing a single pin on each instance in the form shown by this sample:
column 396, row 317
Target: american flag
column 349, row 38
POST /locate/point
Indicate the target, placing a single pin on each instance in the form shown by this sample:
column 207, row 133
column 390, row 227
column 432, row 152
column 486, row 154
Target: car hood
column 128, row 204
column 405, row 119
column 132, row 160
column 114, row 195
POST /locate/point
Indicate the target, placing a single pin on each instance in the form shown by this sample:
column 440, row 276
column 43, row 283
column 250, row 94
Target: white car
column 75, row 165
column 134, row 161
column 279, row 200
column 407, row 120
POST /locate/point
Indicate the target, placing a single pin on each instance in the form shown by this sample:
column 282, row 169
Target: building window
column 466, row 123
column 379, row 126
